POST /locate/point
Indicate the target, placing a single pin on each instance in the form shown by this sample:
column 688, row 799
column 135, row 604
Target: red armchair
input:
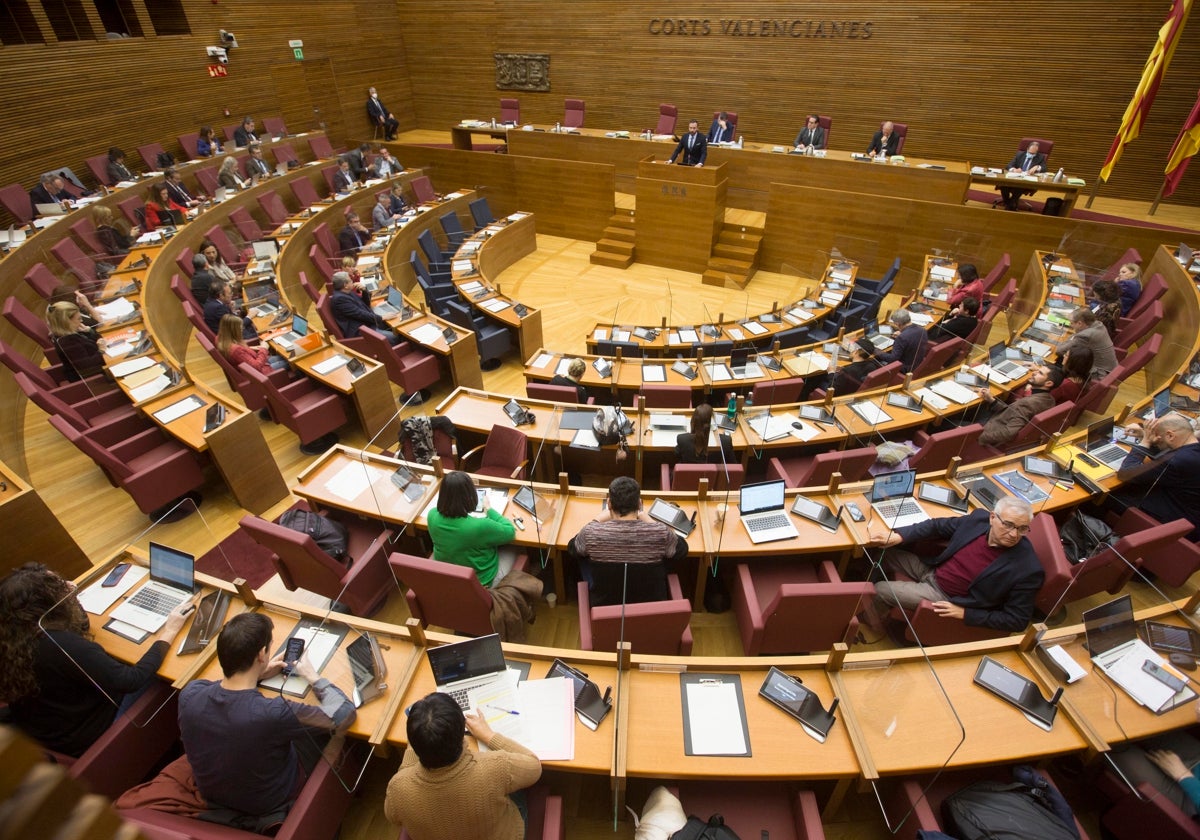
column 244, row 222
column 935, row 451
column 777, row 391
column 667, row 115
column 362, row 583
column 446, row 594
column 510, row 111
column 505, row 455
column 306, row 407
column 252, row 395
column 554, row 393
column 87, row 412
column 305, row 193
column 755, row 809
column 1173, row 563
column 657, row 627
column 273, row 206
column 667, row 396
column 412, row 368
column 573, row 110
column 687, row 476
column 816, row 470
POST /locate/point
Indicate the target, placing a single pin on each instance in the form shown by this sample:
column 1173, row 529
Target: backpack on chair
column 1027, row 807
column 713, row 828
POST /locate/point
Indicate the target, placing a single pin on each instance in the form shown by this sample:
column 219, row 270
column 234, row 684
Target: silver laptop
column 891, row 497
column 219, row 194
column 298, row 331
column 763, row 514
column 265, row 249
column 281, row 168
column 1100, row 446
column 53, row 209
column 463, row 666
column 392, row 306
column 172, row 581
column 1118, row 651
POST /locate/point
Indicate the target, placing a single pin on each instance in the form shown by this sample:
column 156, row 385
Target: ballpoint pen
column 500, row 709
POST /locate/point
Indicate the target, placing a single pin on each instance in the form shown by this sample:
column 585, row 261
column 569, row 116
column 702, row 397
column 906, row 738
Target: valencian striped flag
column 1152, row 74
column 1186, row 145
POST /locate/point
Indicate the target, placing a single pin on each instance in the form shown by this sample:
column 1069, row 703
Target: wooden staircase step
column 733, row 266
column 619, row 234
column 615, row 246
column 735, row 252
column 612, row 260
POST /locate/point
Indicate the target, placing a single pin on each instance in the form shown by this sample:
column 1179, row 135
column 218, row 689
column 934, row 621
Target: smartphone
column 855, row 512
column 1163, row 675
column 114, row 577
column 1020, row 482
column 292, row 653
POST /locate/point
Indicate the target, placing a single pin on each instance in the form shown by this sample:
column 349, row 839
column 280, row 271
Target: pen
column 506, row 711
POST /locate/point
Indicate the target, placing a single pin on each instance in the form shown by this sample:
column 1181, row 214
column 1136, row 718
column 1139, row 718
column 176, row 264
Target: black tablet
column 817, row 512
column 793, row 697
column 944, row 496
column 1019, row 690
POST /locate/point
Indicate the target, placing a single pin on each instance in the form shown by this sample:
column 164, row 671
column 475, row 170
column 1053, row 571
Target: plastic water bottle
column 741, row 141
column 493, row 122
column 731, row 409
column 1058, row 176
column 557, row 128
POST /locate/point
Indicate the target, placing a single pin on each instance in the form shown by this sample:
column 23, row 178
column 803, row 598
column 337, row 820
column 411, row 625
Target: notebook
column 762, row 512
column 1116, row 649
column 460, row 667
column 891, row 497
column 172, row 581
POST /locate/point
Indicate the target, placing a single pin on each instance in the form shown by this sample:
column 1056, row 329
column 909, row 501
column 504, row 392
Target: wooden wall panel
column 969, row 78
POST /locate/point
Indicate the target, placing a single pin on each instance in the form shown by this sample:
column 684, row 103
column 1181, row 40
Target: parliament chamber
column 764, row 248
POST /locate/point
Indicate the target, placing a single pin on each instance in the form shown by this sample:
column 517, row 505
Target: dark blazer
column 241, row 137
column 893, row 143
column 358, row 166
column 41, row 195
column 351, row 313
column 567, row 382
column 814, row 138
column 959, row 326
column 351, row 240
column 80, row 354
column 912, row 343
column 1003, row 594
column 1018, row 162
column 178, row 193
column 118, row 172
column 693, row 150
column 1167, row 487
column 201, row 281
column 685, row 450
column 214, row 310
column 343, row 181
column 718, row 135
column 257, row 166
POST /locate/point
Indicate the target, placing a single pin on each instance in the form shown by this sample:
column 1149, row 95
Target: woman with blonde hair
column 80, row 348
column 575, row 371
column 228, row 176
column 116, row 237
column 232, row 345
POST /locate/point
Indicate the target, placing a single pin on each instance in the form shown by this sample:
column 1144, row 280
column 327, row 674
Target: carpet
column 238, row 555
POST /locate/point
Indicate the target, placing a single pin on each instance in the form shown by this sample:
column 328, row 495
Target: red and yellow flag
column 1186, row 145
column 1147, row 89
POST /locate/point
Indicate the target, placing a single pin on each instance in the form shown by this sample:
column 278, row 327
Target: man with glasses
column 988, row 575
column 811, row 135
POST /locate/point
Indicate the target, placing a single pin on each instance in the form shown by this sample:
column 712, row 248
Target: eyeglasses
column 1009, row 526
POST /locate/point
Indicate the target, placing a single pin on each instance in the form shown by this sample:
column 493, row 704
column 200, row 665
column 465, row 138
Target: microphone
column 1058, row 693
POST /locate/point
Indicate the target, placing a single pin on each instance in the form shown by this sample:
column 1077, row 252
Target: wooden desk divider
column 952, row 467
column 398, row 685
column 246, row 593
column 835, row 482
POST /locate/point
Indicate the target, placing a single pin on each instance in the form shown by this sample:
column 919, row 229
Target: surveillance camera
column 229, row 39
column 219, row 54
column 224, row 59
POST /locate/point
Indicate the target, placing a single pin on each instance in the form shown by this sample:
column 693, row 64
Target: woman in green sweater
column 480, row 542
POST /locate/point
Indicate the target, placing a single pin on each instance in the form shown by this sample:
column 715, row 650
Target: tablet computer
column 817, row 512
column 944, row 496
column 1172, row 639
column 1017, row 689
column 791, row 695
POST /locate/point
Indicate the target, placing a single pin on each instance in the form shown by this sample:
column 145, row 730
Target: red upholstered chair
column 554, row 393
column 316, row 814
column 444, row 443
column 929, row 628
column 322, row 262
column 446, row 594
column 305, row 193
column 98, row 164
column 252, row 395
column 667, row 115
column 87, row 411
column 328, row 242
column 225, row 247
column 790, row 606
column 756, row 809
column 77, row 263
column 184, row 261
column 42, row 280
column 816, row 470
column 882, row 377
column 325, row 308
column 1002, row 299
column 362, row 584
column 190, row 143
column 150, row 153
column 1131, row 255
column 1106, row 571
column 936, row 450
column 422, row 189
column 545, row 821
column 84, row 232
column 51, row 380
column 274, row 127
column 939, row 357
column 826, row 123
column 327, row 172
column 777, row 391
column 573, row 113
column 510, row 111
column 273, row 206
column 1044, row 146
column 1137, row 328
column 134, row 210
column 655, row 627
column 33, row 327
column 154, row 470
column 312, row 411
column 245, row 223
column 687, row 476
column 309, row 288
column 1147, row 813
column 505, row 454
column 411, row 367
column 16, row 201
column 667, row 396
column 997, row 273
column 321, row 147
column 1096, row 396
column 901, row 132
column 1040, row 428
column 1173, row 563
column 284, row 153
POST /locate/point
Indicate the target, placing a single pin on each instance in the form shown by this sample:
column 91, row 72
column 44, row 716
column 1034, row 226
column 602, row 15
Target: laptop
column 463, row 666
column 52, row 209
column 1118, row 651
column 1000, row 359
column 1185, row 254
column 172, row 581
column 281, row 168
column 740, row 365
column 1099, row 444
column 298, row 331
column 392, row 306
column 265, row 249
column 219, row 194
column 891, row 497
column 762, row 512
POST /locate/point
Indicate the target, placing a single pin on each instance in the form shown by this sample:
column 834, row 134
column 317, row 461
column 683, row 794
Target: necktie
column 1028, row 160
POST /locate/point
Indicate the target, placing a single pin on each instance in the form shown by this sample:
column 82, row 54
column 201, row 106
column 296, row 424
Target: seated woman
column 846, row 379
column 62, row 688
column 231, row 343
column 217, row 266
column 116, row 237
column 80, row 348
column 967, row 285
column 116, row 169
column 1107, row 305
column 575, row 369
column 228, row 176
column 693, row 447
column 66, row 293
column 466, row 540
column 161, row 211
column 1077, row 368
column 1129, row 283
column 1169, row 762
column 207, row 144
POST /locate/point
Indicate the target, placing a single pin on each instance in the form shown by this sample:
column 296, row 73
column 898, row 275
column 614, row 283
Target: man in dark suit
column 693, row 147
column 244, row 134
column 379, row 114
column 344, row 180
column 202, row 279
column 988, row 575
column 50, row 190
column 352, row 313
column 255, row 165
column 911, row 344
column 720, row 131
column 959, row 322
column 357, row 159
column 353, row 236
column 1029, row 162
column 811, row 135
column 886, row 141
column 176, row 191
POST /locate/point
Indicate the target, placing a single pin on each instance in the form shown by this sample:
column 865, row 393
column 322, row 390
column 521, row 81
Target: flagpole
column 1095, row 189
column 1157, row 198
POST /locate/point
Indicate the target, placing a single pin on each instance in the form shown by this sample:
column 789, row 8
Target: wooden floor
column 573, row 294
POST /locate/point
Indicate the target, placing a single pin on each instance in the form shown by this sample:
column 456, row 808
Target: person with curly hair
column 62, row 688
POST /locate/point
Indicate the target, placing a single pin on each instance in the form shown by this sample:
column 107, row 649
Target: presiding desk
column 1044, row 182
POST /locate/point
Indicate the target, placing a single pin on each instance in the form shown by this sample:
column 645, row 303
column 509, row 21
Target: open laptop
column 1185, row 254
column 1099, row 444
column 51, row 209
column 891, row 497
column 460, row 667
column 265, row 249
column 1118, row 651
column 392, row 306
column 762, row 512
column 172, row 581
column 298, row 331
column 219, row 194
column 879, row 336
column 740, row 365
column 1001, row 358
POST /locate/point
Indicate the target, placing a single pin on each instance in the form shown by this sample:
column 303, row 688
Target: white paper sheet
column 714, row 720
column 96, row 599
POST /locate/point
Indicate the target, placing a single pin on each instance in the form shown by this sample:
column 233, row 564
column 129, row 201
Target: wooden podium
column 680, row 210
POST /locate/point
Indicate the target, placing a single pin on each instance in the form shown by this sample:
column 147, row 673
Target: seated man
column 1167, row 485
column 381, row 214
column 202, row 278
column 847, row 378
column 219, row 304
column 1001, row 426
column 50, row 190
column 246, row 748
column 244, row 134
column 444, row 791
column 693, row 147
column 720, row 131
column 987, row 576
column 381, row 116
column 811, row 135
column 1029, row 162
column 344, row 180
column 911, row 344
column 623, row 553
column 255, row 164
column 959, row 322
column 352, row 313
column 885, row 142
column 385, row 165
column 1093, row 335
column 353, row 236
